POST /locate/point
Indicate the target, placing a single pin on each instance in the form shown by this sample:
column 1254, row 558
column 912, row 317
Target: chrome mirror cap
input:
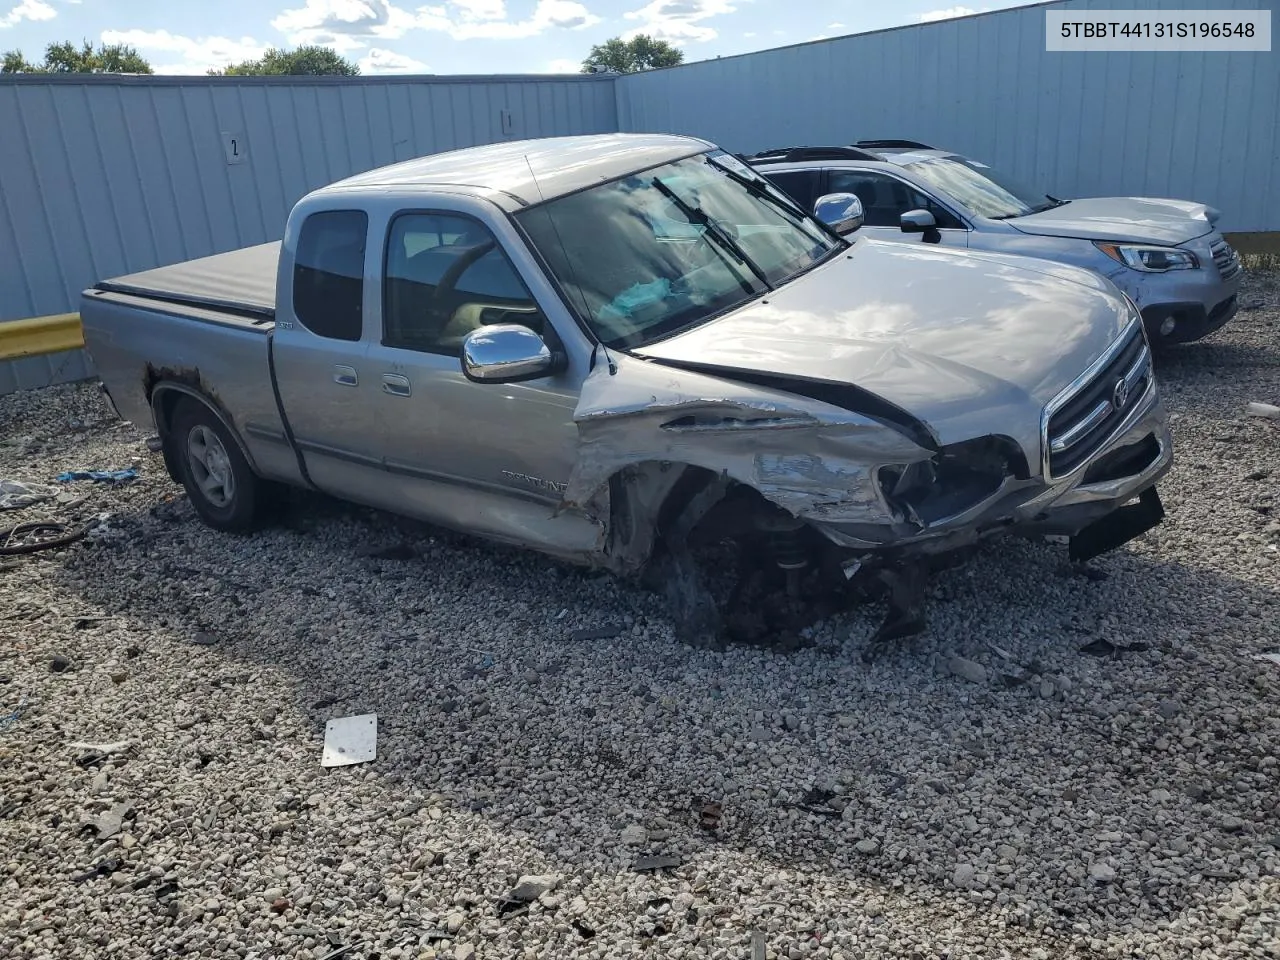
column 842, row 212
column 917, row 221
column 505, row 353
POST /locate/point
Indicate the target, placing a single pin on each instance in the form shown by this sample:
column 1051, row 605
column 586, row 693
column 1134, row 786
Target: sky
column 447, row 36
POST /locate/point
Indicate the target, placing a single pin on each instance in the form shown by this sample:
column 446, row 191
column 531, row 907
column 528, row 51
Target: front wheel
column 223, row 488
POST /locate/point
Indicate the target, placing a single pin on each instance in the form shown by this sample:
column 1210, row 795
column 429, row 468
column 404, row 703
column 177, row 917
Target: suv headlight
column 1149, row 259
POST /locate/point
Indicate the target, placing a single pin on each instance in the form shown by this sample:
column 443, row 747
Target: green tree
column 68, row 58
column 304, row 61
column 641, row 52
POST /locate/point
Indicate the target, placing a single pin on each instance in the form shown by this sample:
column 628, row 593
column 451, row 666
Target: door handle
column 396, row 385
column 345, row 375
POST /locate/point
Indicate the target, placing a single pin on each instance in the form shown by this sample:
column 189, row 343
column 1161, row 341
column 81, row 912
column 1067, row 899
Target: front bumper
column 1189, row 321
column 1185, row 305
column 1137, row 454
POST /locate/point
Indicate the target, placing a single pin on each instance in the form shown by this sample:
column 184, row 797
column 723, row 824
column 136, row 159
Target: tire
column 223, row 488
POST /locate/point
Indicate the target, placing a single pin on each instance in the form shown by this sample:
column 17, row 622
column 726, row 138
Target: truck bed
column 241, row 282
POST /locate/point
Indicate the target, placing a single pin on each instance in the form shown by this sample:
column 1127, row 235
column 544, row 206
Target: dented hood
column 970, row 343
column 1121, row 220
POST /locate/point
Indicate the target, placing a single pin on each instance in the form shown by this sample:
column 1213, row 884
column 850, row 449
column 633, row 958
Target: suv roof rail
column 796, row 154
column 894, row 144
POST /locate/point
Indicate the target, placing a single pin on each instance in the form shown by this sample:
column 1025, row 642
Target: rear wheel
column 222, row 486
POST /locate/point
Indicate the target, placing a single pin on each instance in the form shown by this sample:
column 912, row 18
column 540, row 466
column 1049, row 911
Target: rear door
column 320, row 354
column 885, row 198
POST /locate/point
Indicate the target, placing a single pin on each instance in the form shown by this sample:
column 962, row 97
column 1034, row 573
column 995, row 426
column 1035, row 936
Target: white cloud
column 948, row 13
column 199, row 55
column 749, row 34
column 835, row 26
column 28, row 10
column 564, row 65
column 482, row 9
column 378, row 60
column 679, row 21
column 350, row 24
column 323, row 21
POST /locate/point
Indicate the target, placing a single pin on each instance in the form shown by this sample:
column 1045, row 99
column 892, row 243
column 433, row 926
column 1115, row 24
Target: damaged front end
column 796, row 490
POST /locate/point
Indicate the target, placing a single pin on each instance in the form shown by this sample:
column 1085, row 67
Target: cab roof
column 525, row 172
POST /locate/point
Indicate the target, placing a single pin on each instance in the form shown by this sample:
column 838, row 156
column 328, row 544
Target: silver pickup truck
column 604, row 347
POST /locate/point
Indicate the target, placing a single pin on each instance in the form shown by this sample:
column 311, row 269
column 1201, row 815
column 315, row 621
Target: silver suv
column 1167, row 255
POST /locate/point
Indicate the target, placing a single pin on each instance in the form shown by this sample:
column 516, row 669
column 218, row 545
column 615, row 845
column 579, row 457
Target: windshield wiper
column 715, row 232
column 757, row 188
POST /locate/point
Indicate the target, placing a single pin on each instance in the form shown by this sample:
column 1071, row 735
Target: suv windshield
column 668, row 248
column 980, row 188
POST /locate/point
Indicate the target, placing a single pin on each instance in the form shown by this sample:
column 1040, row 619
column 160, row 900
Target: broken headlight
column 961, row 476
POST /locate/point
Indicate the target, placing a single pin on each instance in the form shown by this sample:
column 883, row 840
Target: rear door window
column 328, row 274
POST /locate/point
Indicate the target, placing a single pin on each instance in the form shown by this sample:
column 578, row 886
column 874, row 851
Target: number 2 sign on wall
column 233, row 144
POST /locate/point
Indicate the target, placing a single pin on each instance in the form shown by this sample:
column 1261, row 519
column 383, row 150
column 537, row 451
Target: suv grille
column 1225, row 259
column 1078, row 423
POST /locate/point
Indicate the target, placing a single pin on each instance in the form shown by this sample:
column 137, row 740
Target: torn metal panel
column 817, row 460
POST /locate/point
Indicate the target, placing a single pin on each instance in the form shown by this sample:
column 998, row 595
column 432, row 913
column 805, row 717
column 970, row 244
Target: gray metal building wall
column 101, row 176
column 1199, row 126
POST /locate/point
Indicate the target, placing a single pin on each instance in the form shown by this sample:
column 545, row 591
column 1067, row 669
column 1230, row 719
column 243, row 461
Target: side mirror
column 507, row 353
column 842, row 212
column 917, row 221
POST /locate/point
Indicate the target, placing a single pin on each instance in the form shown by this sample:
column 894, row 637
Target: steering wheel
column 437, row 315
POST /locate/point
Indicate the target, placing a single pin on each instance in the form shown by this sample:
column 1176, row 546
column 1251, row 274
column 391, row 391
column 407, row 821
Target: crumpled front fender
column 810, row 458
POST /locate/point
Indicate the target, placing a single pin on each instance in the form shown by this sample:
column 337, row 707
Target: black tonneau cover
column 241, row 282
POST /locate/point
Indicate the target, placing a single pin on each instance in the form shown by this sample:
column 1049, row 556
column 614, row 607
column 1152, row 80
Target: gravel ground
column 992, row 791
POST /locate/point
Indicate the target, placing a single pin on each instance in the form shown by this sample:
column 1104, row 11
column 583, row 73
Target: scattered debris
column 662, row 861
column 967, row 669
column 1268, row 658
column 758, row 947
column 349, row 740
column 98, row 476
column 108, row 824
column 38, row 535
column 596, row 633
column 12, row 717
column 14, row 494
column 530, row 888
column 635, row 835
column 709, row 818
column 820, row 801
column 155, row 444
column 102, row 869
column 1102, row 872
column 1265, row 410
column 95, row 753
column 203, row 638
column 61, row 663
column 1103, row 647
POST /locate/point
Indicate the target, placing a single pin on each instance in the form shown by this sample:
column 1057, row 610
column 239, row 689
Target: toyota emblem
column 1120, row 395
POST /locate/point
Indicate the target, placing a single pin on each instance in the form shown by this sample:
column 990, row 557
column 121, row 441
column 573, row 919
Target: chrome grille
column 1081, row 419
column 1225, row 259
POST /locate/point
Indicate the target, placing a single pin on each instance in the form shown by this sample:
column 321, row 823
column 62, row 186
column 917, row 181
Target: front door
column 492, row 458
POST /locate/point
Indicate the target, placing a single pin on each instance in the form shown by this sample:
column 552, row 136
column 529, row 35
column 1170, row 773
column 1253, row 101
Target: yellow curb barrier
column 40, row 335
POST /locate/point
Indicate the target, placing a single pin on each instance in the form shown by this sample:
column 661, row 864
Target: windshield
column 981, row 189
column 670, row 247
